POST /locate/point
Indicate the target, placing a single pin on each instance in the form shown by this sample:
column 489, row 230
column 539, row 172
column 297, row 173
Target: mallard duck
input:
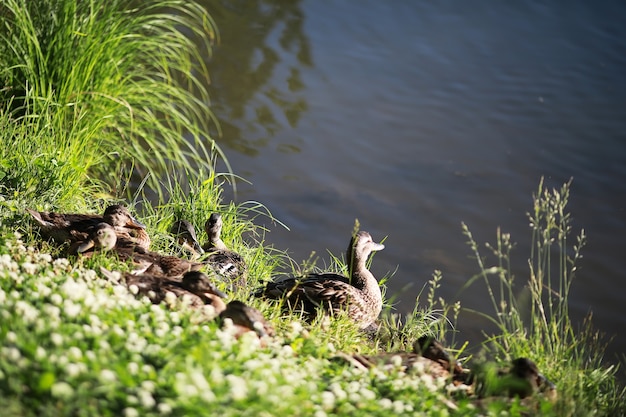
column 246, row 318
column 358, row 294
column 104, row 236
column 223, row 261
column 428, row 355
column 76, row 227
column 194, row 285
column 185, row 233
column 521, row 379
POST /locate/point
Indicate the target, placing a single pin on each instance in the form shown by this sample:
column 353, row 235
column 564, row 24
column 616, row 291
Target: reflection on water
column 416, row 116
column 258, row 36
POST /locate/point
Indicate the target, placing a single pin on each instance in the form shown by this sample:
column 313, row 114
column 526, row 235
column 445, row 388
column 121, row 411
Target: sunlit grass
column 538, row 324
column 98, row 89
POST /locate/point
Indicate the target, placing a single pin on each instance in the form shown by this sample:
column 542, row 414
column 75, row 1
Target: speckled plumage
column 224, row 262
column 74, row 227
column 246, row 318
column 359, row 295
column 185, row 234
column 104, row 236
column 194, row 285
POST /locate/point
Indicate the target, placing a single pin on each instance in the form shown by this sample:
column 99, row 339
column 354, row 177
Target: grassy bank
column 96, row 97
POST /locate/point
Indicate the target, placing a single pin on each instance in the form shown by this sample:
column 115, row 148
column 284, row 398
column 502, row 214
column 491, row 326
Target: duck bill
column 195, row 245
column 545, row 384
column 215, row 291
column 85, row 246
column 377, row 246
column 133, row 223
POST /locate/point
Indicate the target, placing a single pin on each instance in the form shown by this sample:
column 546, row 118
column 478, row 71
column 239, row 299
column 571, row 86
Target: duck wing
column 228, row 265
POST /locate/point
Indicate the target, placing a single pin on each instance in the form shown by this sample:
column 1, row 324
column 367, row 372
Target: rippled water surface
column 415, row 116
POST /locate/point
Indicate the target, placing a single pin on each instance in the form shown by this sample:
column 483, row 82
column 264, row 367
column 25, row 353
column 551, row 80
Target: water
column 416, row 116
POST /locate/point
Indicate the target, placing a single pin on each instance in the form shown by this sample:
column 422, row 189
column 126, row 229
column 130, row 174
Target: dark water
column 415, row 116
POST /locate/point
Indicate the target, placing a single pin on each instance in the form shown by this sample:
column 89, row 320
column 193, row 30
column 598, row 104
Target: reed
column 535, row 322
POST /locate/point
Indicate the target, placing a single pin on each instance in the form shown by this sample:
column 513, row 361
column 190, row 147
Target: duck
column 75, row 227
column 185, row 234
column 194, row 285
column 104, row 237
column 359, row 294
column 428, row 355
column 224, row 262
column 521, row 379
column 246, row 319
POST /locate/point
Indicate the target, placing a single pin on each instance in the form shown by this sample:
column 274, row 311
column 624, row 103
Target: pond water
column 415, row 116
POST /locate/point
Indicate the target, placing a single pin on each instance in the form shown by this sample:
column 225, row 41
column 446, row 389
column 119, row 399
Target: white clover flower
column 134, row 289
column 71, row 309
column 73, row 369
column 75, row 353
column 11, row 353
column 328, row 400
column 385, row 403
column 133, row 368
column 40, row 353
column 148, row 385
column 56, row 299
column 62, row 390
column 131, row 412
column 11, row 337
column 146, row 399
column 56, row 339
column 61, row 263
column 238, row 387
column 164, row 408
column 147, row 369
column 30, row 268
column 319, row 413
column 170, row 298
column 44, row 257
column 106, row 375
column 336, row 389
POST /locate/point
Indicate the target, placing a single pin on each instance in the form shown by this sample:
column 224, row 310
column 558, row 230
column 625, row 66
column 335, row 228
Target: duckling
column 104, row 236
column 522, row 380
column 246, row 318
column 194, row 284
column 184, row 231
column 224, row 262
column 358, row 294
column 75, row 227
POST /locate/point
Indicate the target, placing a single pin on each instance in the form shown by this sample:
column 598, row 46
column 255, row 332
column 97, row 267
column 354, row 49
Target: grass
column 102, row 89
column 94, row 98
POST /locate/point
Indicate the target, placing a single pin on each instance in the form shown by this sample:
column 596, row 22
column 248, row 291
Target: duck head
column 360, row 248
column 102, row 237
column 213, row 228
column 186, row 235
column 526, row 369
column 198, row 283
column 118, row 216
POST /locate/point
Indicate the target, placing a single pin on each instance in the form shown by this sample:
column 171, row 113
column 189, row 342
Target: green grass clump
column 536, row 322
column 89, row 91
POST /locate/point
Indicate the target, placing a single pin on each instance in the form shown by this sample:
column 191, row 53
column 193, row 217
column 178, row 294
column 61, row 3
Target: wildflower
column 133, row 368
column 71, row 309
column 62, row 390
column 328, row 400
column 11, row 337
column 146, row 399
column 56, row 339
column 164, row 408
column 131, row 412
column 106, row 375
column 238, row 387
column 30, row 268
